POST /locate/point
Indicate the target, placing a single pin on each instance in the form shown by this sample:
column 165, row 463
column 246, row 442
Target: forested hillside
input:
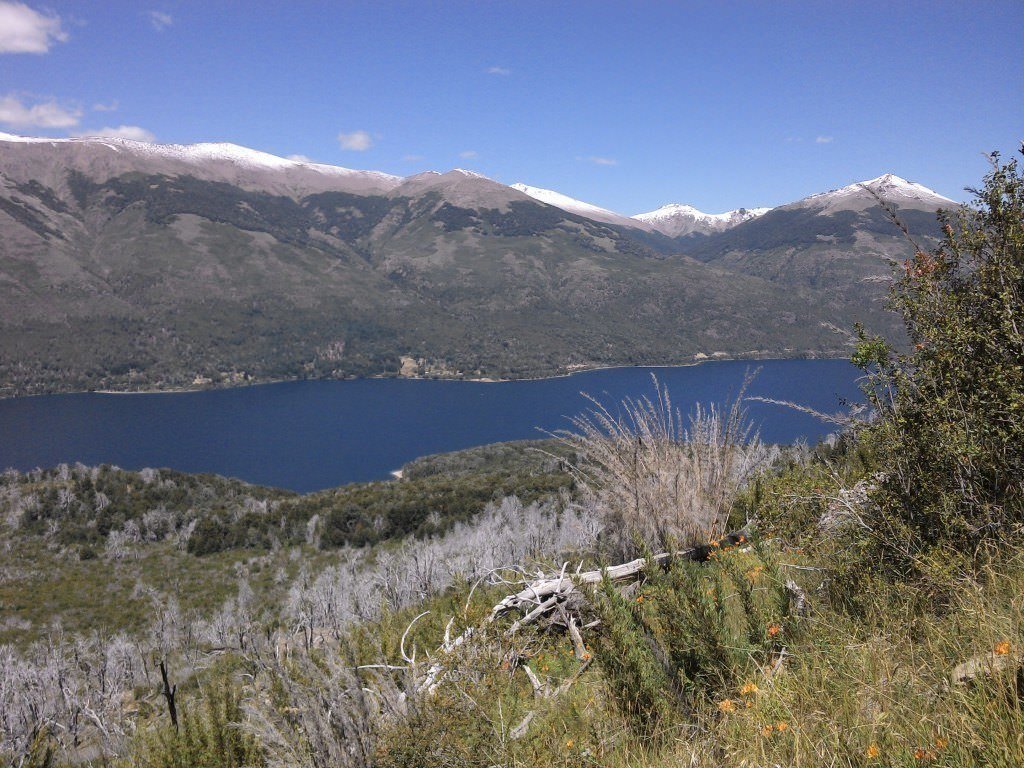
column 134, row 266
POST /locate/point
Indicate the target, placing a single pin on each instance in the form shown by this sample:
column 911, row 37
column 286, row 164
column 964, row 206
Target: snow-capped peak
column 678, row 219
column 888, row 186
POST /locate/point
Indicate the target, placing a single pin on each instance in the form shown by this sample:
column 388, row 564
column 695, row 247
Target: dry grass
column 657, row 478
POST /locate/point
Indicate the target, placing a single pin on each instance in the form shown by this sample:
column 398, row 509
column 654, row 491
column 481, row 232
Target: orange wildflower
column 748, row 689
column 1002, row 648
column 941, row 743
column 766, row 731
column 774, row 630
column 727, row 705
column 872, row 751
column 782, row 726
column 569, row 744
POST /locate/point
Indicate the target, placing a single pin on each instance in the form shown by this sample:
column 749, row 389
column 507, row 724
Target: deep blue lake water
column 309, row 435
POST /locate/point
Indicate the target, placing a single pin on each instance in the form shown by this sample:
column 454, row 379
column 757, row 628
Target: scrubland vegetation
column 653, row 590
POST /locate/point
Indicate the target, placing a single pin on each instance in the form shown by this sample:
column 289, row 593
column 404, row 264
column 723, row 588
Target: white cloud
column 357, row 141
column 498, row 71
column 133, row 132
column 823, row 140
column 598, row 160
column 300, row 158
column 469, row 154
column 160, row 20
column 110, row 107
column 23, row 30
column 49, row 114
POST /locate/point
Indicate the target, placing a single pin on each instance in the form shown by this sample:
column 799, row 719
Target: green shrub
column 689, row 634
column 209, row 737
column 950, row 432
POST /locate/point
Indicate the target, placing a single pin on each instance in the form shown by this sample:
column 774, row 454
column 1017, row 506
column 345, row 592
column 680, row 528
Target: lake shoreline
column 714, row 358
column 312, row 435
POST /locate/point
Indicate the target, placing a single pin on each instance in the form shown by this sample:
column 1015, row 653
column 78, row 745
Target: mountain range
column 128, row 265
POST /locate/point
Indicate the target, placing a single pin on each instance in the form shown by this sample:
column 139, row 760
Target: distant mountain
column 47, row 161
column 132, row 265
column 677, row 220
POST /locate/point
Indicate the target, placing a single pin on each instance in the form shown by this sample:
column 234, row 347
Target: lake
column 309, row 435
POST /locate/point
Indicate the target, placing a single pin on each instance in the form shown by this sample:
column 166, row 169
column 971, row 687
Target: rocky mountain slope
column 132, row 265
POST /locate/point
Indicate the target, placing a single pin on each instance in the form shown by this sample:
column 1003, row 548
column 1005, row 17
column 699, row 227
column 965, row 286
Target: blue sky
column 626, row 105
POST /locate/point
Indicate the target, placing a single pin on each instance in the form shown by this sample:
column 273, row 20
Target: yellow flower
column 781, row 726
column 941, row 743
column 766, row 731
column 727, row 705
column 873, row 751
column 569, row 744
column 1002, row 648
column 748, row 689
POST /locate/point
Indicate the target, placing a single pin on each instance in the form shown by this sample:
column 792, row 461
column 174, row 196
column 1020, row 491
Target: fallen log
column 547, row 594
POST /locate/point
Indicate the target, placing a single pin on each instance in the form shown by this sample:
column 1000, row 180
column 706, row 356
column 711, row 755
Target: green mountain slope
column 178, row 275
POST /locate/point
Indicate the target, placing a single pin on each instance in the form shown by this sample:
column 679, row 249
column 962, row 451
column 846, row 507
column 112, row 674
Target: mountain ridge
column 128, row 271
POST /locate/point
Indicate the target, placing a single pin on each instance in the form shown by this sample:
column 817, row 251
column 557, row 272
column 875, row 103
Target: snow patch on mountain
column 572, row 205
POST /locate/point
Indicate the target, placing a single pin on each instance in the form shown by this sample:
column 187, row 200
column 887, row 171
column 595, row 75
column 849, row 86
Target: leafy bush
column 950, row 433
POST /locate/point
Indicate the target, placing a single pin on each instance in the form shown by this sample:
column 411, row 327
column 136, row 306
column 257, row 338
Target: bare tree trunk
column 169, row 693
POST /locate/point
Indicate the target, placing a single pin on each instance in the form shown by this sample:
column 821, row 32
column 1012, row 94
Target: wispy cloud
column 596, row 160
column 469, row 154
column 133, row 132
column 357, row 141
column 49, row 114
column 111, row 106
column 300, row 158
column 503, row 71
column 24, row 30
column 160, row 20
column 823, row 140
